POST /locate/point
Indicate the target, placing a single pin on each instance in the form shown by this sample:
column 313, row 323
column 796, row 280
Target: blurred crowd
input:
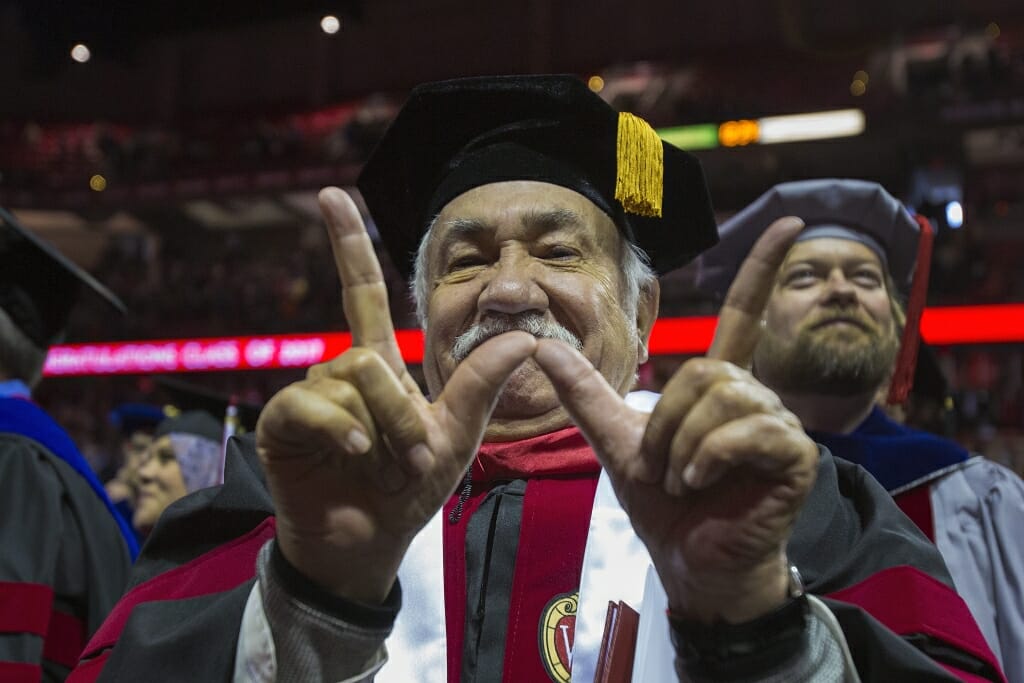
column 56, row 156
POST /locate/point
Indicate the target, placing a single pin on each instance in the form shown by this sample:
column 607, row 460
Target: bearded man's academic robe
column 490, row 585
column 971, row 507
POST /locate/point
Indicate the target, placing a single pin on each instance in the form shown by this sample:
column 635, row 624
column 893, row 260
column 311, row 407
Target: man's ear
column 646, row 313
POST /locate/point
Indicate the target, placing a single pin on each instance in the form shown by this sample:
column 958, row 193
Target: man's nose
column 839, row 290
column 513, row 287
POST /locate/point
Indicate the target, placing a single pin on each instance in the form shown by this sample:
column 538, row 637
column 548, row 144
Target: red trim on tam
column 65, row 639
column 19, row 672
column 221, row 569
column 25, row 607
column 917, row 504
column 903, row 374
column 909, row 601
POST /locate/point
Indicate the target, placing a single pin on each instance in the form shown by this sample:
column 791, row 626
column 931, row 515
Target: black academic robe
column 180, row 621
column 63, row 562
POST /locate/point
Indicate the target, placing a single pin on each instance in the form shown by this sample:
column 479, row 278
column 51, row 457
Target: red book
column 618, row 644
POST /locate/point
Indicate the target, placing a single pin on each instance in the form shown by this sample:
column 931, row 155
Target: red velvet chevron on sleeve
column 221, row 569
column 909, row 601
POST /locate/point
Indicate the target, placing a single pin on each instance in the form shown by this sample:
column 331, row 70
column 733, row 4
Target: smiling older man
column 455, row 528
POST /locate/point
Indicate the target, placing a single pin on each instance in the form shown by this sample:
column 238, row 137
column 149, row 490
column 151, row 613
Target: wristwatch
column 722, row 650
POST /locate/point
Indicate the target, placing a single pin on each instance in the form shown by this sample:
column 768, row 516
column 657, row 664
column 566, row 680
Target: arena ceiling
column 165, row 59
column 173, row 62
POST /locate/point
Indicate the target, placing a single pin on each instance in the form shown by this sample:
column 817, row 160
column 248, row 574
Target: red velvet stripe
column 221, row 569
column 552, row 537
column 917, row 504
column 89, row 671
column 18, row 672
column 65, row 639
column 908, row 601
column 25, row 607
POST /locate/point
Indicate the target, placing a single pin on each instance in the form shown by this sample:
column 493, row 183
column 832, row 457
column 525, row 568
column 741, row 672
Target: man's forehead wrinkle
column 459, row 229
column 548, row 220
column 537, row 221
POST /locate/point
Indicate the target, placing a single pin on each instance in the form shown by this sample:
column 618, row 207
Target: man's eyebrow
column 459, row 229
column 821, row 261
column 552, row 219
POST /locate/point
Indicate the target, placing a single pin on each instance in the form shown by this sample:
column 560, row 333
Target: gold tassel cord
column 640, row 167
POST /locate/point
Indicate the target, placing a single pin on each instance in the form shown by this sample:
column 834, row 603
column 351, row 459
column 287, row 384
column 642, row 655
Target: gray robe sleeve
column 978, row 512
column 283, row 637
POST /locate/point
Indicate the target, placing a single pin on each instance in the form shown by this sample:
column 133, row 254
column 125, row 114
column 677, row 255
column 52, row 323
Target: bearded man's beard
column 831, row 360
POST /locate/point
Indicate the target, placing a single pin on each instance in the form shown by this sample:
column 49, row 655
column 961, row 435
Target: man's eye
column 466, row 262
column 867, row 278
column 559, row 253
column 800, row 277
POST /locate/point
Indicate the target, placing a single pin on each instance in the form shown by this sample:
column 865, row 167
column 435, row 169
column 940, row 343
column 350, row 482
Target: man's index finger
column 739, row 322
column 364, row 293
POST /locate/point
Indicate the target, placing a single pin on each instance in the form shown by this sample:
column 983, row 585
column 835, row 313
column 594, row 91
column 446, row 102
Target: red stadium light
column 940, row 326
column 954, row 325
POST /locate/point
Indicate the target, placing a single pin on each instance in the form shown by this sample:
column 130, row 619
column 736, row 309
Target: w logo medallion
column 556, row 634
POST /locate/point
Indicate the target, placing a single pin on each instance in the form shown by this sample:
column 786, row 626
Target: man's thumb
column 472, row 391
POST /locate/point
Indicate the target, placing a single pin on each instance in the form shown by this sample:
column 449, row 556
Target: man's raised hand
column 357, row 459
column 713, row 479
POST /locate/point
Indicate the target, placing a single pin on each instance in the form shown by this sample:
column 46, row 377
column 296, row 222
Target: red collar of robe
column 561, row 452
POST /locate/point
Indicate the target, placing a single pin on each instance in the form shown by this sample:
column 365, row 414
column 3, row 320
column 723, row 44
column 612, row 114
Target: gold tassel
column 640, row 167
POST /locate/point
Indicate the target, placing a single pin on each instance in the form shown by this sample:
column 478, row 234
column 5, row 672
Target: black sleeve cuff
column 359, row 614
column 722, row 651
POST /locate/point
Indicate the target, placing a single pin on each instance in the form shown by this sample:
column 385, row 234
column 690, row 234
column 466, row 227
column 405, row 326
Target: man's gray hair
column 20, row 358
column 636, row 273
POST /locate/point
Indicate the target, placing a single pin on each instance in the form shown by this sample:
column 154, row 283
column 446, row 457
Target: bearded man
column 527, row 208
column 834, row 329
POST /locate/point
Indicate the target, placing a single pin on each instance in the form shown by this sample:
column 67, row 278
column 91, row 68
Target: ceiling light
column 80, row 53
column 330, row 24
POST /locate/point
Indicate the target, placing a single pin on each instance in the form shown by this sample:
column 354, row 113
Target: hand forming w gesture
column 357, row 459
column 713, row 479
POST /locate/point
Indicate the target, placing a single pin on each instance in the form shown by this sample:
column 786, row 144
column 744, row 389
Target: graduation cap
column 197, row 422
column 129, row 418
column 185, row 397
column 856, row 210
column 453, row 136
column 39, row 285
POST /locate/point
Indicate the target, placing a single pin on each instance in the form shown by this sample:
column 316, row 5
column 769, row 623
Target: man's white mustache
column 533, row 323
